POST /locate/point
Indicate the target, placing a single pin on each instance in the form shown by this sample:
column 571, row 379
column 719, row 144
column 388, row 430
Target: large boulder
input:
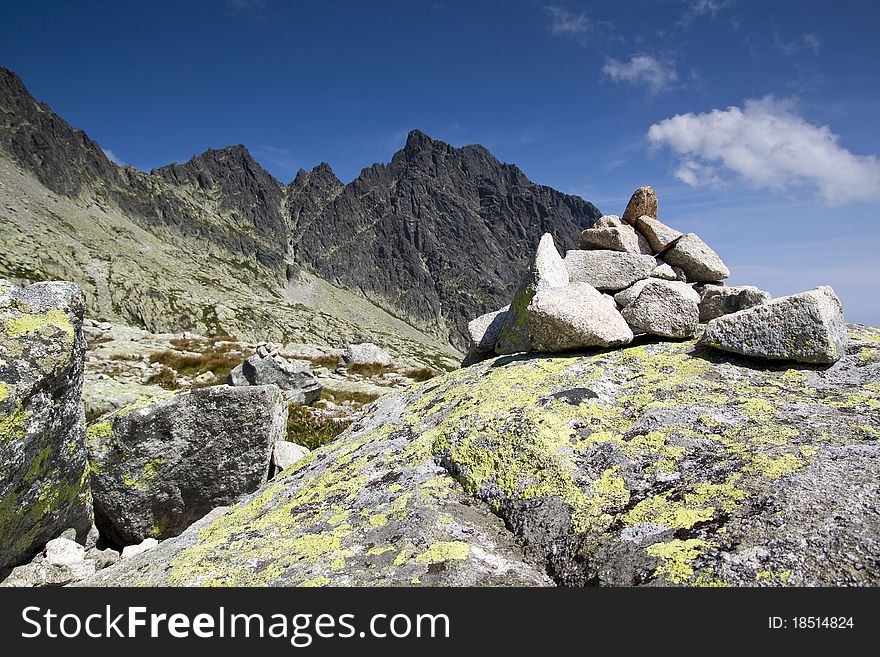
column 659, row 235
column 808, row 327
column 574, row 317
column 615, row 238
column 699, row 262
column 483, row 333
column 160, row 464
column 44, row 473
column 608, row 270
column 366, row 353
column 655, row 464
column 295, row 378
column 546, row 270
column 719, row 300
column 665, row 308
column 643, row 203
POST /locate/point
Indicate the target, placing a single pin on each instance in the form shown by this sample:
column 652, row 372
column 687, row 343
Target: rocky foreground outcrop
column 44, row 474
column 660, row 463
column 161, row 464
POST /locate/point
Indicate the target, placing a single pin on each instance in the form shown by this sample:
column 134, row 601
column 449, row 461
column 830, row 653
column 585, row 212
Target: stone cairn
column 635, row 275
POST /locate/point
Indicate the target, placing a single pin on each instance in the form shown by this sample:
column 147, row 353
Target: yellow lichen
column 444, row 551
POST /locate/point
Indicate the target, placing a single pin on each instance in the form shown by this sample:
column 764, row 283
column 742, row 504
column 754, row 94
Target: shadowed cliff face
column 435, row 237
column 439, row 234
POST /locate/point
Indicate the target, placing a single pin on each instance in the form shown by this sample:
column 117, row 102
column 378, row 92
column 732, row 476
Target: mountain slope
column 439, row 234
column 418, row 246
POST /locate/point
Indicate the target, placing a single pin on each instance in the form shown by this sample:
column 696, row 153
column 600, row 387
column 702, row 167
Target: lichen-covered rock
column 719, row 300
column 615, row 238
column 699, row 262
column 295, row 378
column 574, row 317
column 808, row 327
column 44, row 474
column 161, row 464
column 643, row 202
column 366, row 353
column 656, row 464
column 665, row 308
column 659, row 235
column 483, row 333
column 547, row 270
column 608, row 270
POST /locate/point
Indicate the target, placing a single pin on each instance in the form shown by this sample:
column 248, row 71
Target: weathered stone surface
column 643, row 202
column 131, row 551
column 296, row 379
column 664, row 271
column 654, row 464
column 44, row 474
column 547, row 270
column 63, row 552
column 719, row 300
column 366, row 353
column 699, row 262
column 285, row 454
column 659, row 235
column 665, row 308
column 161, row 464
column 808, row 327
column 483, row 333
column 627, row 296
column 574, row 317
column 608, row 270
column 40, row 573
column 609, row 221
column 615, row 238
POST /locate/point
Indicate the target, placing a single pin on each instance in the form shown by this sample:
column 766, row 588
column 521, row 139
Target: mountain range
column 405, row 254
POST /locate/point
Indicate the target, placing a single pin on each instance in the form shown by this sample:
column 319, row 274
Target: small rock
column 64, row 551
column 609, row 221
column 547, row 270
column 484, row 332
column 808, row 327
column 665, row 308
column 719, row 300
column 130, row 551
column 102, row 558
column 205, row 378
column 608, row 270
column 574, row 317
column 366, row 353
column 699, row 262
column 643, row 202
column 295, row 378
column 659, row 235
column 285, row 454
column 623, row 238
column 664, row 271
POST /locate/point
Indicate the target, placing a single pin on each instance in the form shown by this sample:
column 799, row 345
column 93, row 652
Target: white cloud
column 698, row 8
column 791, row 48
column 566, row 22
column 766, row 145
column 657, row 75
column 112, row 157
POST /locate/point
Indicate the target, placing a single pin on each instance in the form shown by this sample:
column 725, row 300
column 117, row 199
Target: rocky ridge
column 234, row 251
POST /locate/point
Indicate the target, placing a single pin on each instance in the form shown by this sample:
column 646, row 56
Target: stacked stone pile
column 635, row 275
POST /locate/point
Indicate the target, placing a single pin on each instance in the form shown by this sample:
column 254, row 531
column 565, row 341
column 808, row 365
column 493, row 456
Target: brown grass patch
column 212, row 359
column 164, row 378
column 370, row 369
column 329, row 361
column 422, row 373
column 339, row 396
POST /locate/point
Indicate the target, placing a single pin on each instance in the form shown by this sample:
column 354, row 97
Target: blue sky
column 757, row 123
